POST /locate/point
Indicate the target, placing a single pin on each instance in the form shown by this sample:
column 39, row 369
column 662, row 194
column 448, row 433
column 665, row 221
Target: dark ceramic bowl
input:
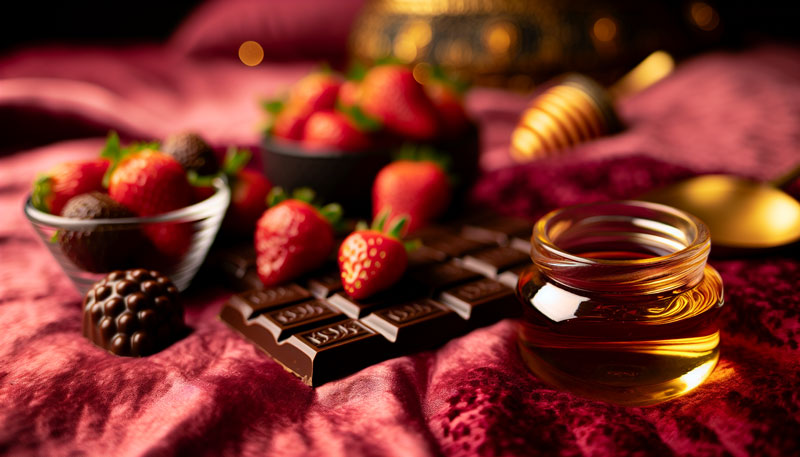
column 346, row 177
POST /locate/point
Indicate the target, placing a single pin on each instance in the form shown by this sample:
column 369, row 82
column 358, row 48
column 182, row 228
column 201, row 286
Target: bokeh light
column 251, row 53
column 604, row 29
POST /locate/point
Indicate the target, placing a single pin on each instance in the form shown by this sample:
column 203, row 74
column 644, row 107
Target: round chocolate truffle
column 133, row 313
column 193, row 153
column 105, row 247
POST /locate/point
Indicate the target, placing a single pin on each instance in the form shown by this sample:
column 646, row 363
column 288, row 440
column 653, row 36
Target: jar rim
column 687, row 234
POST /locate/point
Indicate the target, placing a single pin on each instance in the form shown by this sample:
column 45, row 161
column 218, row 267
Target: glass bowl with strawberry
column 132, row 207
column 334, row 133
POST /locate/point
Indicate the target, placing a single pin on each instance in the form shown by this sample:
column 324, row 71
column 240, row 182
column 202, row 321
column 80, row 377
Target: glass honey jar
column 619, row 304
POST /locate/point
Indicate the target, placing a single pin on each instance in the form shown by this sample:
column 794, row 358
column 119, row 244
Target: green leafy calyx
column 423, row 153
column 235, row 160
column 115, row 153
column 357, row 71
column 42, row 188
column 331, row 212
column 273, row 106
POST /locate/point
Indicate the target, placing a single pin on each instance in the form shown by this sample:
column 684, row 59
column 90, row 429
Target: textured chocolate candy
column 133, row 313
column 318, row 332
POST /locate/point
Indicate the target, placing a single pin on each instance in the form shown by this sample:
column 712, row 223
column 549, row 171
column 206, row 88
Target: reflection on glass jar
column 620, row 304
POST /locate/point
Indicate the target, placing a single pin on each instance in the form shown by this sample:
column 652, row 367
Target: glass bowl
column 174, row 243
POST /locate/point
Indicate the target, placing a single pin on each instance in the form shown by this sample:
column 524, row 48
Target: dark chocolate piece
column 450, row 244
column 256, row 301
column 498, row 230
column 238, row 267
column 480, row 300
column 493, row 261
column 416, row 324
column 423, row 255
column 405, row 290
column 133, row 313
column 335, row 350
column 325, row 283
column 439, row 276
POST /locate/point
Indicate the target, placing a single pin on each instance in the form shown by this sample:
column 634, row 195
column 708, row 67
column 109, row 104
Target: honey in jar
column 619, row 304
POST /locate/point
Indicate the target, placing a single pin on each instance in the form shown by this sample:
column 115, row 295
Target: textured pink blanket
column 213, row 393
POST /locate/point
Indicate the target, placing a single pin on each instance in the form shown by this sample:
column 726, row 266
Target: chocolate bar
column 315, row 330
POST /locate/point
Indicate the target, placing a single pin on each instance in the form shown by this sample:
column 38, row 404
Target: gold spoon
column 740, row 213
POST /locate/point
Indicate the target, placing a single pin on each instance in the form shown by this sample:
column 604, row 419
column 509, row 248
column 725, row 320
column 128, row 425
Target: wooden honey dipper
column 576, row 108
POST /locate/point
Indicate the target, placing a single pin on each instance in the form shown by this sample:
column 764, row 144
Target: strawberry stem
column 197, row 180
column 115, row 153
column 396, row 229
column 273, row 106
column 304, row 194
column 421, row 153
column 235, row 160
column 364, row 122
column 333, row 213
column 362, row 225
column 41, row 189
column 357, row 71
column 276, row 195
column 380, row 220
column 412, row 245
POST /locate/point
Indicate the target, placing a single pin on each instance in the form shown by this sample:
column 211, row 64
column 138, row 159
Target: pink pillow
column 286, row 29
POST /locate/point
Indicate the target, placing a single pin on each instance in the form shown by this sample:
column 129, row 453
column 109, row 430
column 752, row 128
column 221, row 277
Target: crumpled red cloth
column 213, row 393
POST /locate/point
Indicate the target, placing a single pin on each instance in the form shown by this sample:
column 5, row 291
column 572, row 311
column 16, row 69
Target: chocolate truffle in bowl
column 133, row 313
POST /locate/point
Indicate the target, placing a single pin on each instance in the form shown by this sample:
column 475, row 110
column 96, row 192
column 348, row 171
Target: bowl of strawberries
column 334, row 134
column 132, row 207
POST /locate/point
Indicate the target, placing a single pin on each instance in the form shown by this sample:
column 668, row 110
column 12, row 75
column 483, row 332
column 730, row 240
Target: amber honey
column 620, row 304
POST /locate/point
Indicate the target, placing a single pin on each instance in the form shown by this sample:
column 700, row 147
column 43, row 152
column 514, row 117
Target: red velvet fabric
column 213, row 393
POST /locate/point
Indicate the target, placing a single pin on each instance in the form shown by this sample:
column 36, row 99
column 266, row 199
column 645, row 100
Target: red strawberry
column 53, row 189
column 293, row 237
column 249, row 191
column 450, row 106
column 314, row 92
column 349, row 93
column 419, row 190
column 290, row 122
column 248, row 201
column 201, row 192
column 334, row 130
column 371, row 261
column 149, row 182
column 392, row 95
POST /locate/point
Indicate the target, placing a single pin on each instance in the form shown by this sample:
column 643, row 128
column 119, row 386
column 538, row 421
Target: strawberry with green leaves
column 293, row 236
column 371, row 260
column 54, row 188
column 289, row 123
column 390, row 94
column 145, row 180
column 450, row 107
column 249, row 190
column 316, row 91
column 419, row 189
column 149, row 182
column 338, row 130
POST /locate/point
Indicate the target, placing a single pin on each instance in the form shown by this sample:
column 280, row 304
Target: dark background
column 112, row 22
column 90, row 21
